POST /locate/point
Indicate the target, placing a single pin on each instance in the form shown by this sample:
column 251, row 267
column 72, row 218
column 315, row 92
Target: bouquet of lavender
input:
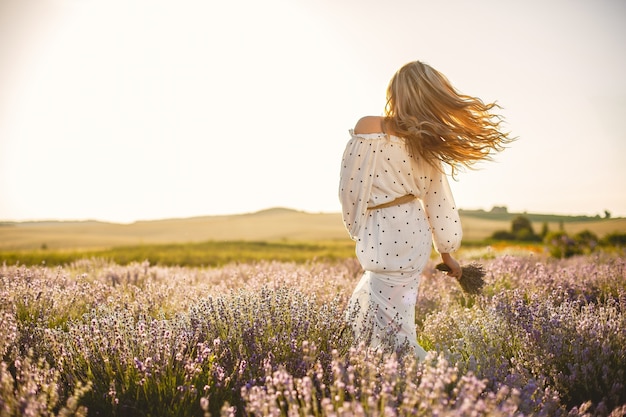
column 471, row 280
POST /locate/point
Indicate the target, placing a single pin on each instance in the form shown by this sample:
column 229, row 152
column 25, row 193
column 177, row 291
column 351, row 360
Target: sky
column 126, row 110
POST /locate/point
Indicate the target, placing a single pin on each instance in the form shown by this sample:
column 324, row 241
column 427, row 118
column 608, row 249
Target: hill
column 267, row 225
column 276, row 224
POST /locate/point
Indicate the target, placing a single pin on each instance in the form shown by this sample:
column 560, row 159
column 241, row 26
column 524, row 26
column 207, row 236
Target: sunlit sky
column 125, row 110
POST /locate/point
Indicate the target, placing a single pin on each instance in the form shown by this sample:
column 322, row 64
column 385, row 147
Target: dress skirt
column 393, row 248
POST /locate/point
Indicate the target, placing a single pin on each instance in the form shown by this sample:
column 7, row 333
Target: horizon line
column 495, row 209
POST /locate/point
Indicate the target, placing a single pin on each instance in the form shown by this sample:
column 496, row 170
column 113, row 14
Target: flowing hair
column 439, row 123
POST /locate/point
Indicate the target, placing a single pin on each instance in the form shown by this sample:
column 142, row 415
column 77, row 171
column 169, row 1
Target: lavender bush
column 547, row 337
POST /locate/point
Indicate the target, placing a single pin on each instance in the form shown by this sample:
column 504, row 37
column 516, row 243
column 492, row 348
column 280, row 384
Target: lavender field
column 546, row 338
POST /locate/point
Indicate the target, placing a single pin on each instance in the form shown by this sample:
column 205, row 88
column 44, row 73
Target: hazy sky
column 124, row 110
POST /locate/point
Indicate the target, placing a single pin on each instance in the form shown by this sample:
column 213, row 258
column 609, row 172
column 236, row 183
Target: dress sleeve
column 442, row 213
column 355, row 181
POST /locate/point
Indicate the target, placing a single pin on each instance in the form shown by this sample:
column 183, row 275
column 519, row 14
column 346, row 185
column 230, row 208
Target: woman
column 396, row 198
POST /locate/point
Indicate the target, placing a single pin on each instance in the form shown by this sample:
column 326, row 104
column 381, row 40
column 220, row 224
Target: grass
column 210, row 253
column 218, row 253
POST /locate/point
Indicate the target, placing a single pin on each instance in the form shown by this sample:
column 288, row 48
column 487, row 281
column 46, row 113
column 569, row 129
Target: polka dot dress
column 393, row 244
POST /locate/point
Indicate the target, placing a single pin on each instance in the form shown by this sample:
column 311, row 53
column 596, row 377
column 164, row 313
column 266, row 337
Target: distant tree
column 521, row 223
column 499, row 209
column 544, row 230
column 607, row 214
column 616, row 239
column 521, row 229
column 503, row 235
column 586, row 240
column 560, row 245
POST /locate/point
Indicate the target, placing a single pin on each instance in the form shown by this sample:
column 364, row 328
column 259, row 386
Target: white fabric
column 393, row 244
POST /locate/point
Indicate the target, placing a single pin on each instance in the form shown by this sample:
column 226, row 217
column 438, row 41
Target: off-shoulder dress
column 394, row 243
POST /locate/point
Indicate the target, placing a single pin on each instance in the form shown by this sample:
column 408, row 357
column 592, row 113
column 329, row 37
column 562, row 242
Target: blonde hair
column 439, row 123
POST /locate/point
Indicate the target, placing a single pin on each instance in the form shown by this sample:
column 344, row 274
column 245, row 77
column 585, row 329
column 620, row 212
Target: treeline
column 559, row 243
column 503, row 214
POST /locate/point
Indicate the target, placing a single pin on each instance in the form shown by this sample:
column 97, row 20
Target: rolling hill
column 276, row 224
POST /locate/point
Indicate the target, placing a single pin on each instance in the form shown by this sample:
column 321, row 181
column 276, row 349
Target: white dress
column 393, row 244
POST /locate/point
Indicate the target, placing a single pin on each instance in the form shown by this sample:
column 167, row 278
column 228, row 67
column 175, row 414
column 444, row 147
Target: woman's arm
column 455, row 268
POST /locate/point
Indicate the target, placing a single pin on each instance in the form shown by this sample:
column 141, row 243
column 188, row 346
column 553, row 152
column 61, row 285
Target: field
column 273, row 225
column 267, row 225
column 258, row 327
column 277, row 234
column 545, row 338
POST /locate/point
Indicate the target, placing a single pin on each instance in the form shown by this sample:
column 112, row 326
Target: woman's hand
column 455, row 268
